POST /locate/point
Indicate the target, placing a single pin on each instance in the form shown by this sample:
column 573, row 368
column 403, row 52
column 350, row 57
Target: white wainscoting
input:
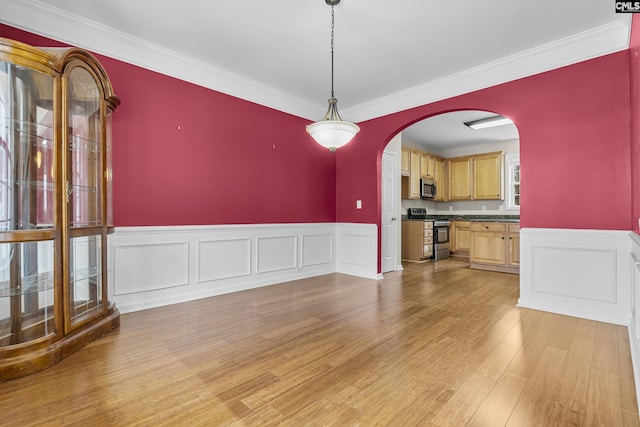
column 357, row 250
column 634, row 303
column 581, row 273
column 155, row 266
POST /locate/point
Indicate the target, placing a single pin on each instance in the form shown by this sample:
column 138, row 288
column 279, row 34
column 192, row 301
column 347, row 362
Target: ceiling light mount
column 332, row 132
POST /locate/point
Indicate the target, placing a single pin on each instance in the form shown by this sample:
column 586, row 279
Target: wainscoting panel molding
column 317, row 249
column 155, row 266
column 223, row 259
column 277, row 253
column 582, row 273
column 357, row 250
column 145, row 267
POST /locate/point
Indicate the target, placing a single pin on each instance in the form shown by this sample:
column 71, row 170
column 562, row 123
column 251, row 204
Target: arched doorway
column 437, row 139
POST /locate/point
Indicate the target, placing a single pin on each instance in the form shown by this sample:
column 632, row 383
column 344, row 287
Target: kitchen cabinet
column 513, row 245
column 477, row 177
column 459, row 178
column 440, row 174
column 411, row 183
column 427, row 166
column 488, row 176
column 461, row 238
column 405, row 161
column 55, row 208
column 417, row 240
column 495, row 246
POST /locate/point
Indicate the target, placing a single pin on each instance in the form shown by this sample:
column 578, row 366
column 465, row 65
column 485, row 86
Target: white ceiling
column 449, row 130
column 389, row 55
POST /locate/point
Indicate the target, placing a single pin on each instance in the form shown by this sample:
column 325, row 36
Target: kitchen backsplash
column 475, row 207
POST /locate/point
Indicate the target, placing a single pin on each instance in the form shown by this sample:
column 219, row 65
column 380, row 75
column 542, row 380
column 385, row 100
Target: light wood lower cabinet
column 495, row 246
column 417, row 240
column 460, row 238
column 513, row 244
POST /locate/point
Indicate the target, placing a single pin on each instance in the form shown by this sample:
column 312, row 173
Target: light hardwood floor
column 435, row 345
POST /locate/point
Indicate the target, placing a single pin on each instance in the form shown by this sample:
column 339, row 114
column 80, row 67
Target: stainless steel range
column 441, row 245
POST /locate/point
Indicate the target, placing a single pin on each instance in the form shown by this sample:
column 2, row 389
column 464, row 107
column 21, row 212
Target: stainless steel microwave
column 427, row 188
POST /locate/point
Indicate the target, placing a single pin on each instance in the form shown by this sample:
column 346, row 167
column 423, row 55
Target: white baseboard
column 155, row 266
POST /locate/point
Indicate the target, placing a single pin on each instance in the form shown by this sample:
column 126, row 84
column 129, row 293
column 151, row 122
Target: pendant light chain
column 332, row 27
column 332, row 132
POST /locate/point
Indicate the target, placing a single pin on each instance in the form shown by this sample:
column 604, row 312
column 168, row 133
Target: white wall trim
column 357, row 250
column 155, row 266
column 634, row 302
column 49, row 21
column 581, row 273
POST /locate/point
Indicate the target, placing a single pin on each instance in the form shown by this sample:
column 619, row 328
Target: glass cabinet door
column 27, row 207
column 55, row 215
column 84, row 196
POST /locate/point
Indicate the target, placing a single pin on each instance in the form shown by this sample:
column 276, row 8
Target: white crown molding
column 40, row 18
column 570, row 50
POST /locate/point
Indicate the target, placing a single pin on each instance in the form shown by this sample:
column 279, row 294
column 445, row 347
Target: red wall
column 634, row 62
column 222, row 167
column 574, row 140
column 232, row 161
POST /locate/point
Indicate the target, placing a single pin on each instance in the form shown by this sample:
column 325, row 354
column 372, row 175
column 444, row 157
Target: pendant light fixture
column 332, row 132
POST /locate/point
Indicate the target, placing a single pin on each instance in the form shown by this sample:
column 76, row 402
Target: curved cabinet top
column 54, row 61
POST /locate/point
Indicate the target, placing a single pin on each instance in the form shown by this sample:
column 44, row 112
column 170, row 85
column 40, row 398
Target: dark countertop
column 475, row 218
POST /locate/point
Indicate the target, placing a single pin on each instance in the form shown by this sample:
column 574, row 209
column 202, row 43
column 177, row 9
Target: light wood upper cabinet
column 459, row 178
column 414, row 175
column 410, row 179
column 427, row 166
column 488, row 176
column 476, row 177
column 405, row 164
column 440, row 175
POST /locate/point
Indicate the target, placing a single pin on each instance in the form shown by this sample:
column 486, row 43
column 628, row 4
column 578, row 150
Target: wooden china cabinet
column 55, row 205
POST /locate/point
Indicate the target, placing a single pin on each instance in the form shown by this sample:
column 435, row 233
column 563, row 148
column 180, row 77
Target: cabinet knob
column 503, row 238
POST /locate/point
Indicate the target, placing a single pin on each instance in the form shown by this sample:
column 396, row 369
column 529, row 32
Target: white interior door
column 389, row 212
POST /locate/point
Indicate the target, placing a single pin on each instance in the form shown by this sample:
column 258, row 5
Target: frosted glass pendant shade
column 332, row 132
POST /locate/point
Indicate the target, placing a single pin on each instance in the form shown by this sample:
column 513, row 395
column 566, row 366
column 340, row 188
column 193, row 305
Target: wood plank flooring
column 437, row 344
